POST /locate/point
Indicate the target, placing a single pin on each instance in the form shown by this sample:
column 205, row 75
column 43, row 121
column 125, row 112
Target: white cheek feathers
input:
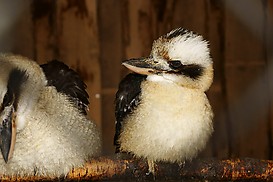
column 190, row 51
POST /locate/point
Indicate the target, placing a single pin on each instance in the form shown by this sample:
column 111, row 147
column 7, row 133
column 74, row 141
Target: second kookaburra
column 43, row 125
column 162, row 111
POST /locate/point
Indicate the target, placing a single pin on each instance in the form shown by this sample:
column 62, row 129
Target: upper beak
column 146, row 66
column 8, row 135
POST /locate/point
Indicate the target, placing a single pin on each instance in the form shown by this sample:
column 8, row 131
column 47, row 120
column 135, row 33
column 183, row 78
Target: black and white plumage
column 162, row 111
column 44, row 129
column 68, row 82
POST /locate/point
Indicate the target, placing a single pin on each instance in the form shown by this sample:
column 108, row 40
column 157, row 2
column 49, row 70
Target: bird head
column 181, row 57
column 20, row 84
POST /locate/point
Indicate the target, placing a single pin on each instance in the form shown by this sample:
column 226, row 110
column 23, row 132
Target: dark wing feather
column 127, row 97
column 68, row 82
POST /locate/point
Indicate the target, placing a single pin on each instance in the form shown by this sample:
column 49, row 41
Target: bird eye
column 8, row 98
column 175, row 64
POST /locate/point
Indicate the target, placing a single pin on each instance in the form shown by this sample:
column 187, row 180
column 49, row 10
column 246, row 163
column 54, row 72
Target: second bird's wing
column 127, row 97
column 68, row 82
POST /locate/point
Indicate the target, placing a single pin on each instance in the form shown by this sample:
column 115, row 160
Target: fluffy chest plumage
column 171, row 123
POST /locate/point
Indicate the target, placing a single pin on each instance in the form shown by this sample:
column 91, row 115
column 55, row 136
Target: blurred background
column 94, row 36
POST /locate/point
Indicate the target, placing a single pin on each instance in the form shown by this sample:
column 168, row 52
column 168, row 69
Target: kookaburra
column 162, row 111
column 44, row 129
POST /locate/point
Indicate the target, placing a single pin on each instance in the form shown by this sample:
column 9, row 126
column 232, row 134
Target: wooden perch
column 110, row 168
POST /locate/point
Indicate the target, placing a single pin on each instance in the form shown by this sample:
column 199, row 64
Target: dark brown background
column 94, row 36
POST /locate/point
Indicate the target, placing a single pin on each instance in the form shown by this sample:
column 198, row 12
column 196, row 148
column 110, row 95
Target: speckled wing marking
column 127, row 97
column 68, row 82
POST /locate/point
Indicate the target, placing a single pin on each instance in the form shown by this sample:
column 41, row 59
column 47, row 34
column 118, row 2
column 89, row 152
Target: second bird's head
column 20, row 83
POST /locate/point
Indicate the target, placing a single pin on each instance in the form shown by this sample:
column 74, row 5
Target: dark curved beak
column 7, row 136
column 146, row 66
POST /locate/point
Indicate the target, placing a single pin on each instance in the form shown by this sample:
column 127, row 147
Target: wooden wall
column 93, row 37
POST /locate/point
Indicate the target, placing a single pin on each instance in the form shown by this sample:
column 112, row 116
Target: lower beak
column 145, row 66
column 8, row 136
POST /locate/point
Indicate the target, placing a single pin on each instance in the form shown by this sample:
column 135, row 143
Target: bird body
column 172, row 129
column 52, row 136
column 162, row 111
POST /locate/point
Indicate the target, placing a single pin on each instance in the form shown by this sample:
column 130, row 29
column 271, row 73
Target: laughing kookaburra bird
column 162, row 111
column 44, row 129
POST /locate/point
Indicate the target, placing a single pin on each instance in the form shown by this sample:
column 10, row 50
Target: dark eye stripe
column 17, row 78
column 193, row 71
column 8, row 99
